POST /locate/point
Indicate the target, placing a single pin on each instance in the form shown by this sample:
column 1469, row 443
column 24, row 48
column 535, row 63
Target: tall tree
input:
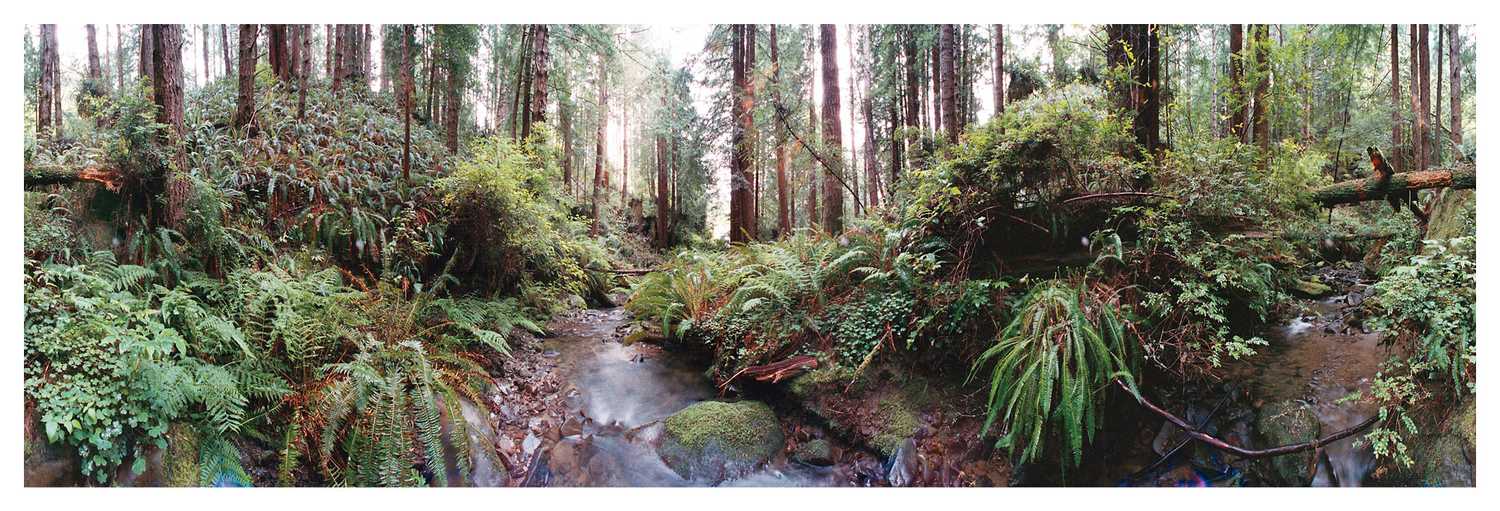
column 279, row 52
column 47, row 84
column 660, row 230
column 783, row 211
column 1135, row 51
column 1237, row 97
column 913, row 100
column 93, row 55
column 224, row 49
column 949, row 82
column 245, row 110
column 406, row 101
column 999, row 70
column 120, row 56
column 833, row 202
column 739, row 161
column 1418, row 128
column 147, row 61
column 1396, row 139
column 1425, row 72
column 208, row 68
column 599, row 146
column 537, row 108
column 1455, row 95
column 303, row 64
column 166, row 88
column 1260, row 39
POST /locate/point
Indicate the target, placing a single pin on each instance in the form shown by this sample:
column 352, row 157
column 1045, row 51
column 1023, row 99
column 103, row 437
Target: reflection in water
column 619, row 395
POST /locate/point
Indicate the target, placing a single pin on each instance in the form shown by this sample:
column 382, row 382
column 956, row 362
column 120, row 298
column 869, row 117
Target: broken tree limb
column 54, row 175
column 1242, row 452
column 1360, row 190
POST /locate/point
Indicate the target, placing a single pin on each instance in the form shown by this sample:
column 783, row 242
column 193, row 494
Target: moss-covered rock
column 814, row 452
column 1452, row 215
column 1311, row 288
column 716, row 440
column 1442, row 456
column 1282, row 423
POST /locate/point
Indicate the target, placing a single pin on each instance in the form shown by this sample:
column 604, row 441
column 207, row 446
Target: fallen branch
column 1113, row 195
column 1360, row 190
column 632, row 271
column 56, row 175
column 1241, row 451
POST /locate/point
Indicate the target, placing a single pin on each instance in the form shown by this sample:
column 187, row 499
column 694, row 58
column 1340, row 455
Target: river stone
column 1282, row 423
column 486, row 470
column 815, row 452
column 1311, row 288
column 716, row 440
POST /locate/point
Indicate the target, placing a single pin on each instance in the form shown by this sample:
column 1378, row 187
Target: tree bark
column 739, row 161
column 278, row 52
column 783, row 210
column 1455, row 95
column 224, row 48
column 303, row 64
column 452, row 104
column 147, row 61
column 120, row 56
column 1260, row 38
column 245, row 110
column 949, row 87
column 1237, row 101
column 47, row 84
column 93, row 54
column 661, row 186
column 1425, row 72
column 999, row 70
column 1418, row 127
column 913, row 111
column 539, row 58
column 833, row 208
column 406, row 88
column 208, row 68
column 599, row 151
column 1359, row 190
column 1396, row 139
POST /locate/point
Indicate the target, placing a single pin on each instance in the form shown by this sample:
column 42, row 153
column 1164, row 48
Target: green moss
column 181, row 458
column 1311, row 288
column 899, row 420
column 715, row 439
column 809, row 384
column 1282, row 423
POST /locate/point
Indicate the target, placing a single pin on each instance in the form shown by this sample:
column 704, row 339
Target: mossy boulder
column 1311, row 288
column 815, row 452
column 1282, row 423
column 716, row 440
column 1442, row 456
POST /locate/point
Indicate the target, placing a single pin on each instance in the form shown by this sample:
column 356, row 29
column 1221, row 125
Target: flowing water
column 617, row 398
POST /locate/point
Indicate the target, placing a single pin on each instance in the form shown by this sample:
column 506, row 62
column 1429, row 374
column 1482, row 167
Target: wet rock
column 814, row 452
column 486, row 468
column 1311, row 288
column 1444, row 457
column 715, row 440
column 1282, row 423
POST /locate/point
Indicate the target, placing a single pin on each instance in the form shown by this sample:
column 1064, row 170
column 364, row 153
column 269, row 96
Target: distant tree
column 537, row 107
column 147, row 61
column 93, row 75
column 599, row 146
column 743, row 123
column 1455, row 95
column 1396, row 138
column 1134, row 52
column 999, row 72
column 406, row 100
column 1423, row 54
column 1237, row 103
column 783, row 210
column 224, row 49
column 1260, row 40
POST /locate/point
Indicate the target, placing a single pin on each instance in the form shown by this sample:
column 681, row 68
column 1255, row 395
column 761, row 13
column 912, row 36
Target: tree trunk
column 1259, row 35
column 47, row 84
column 520, row 105
column 1455, row 94
column 365, row 47
column 167, row 92
column 1418, row 130
column 147, row 61
column 999, row 70
column 913, row 111
column 1396, row 139
column 304, row 66
column 278, row 52
column 453, row 105
column 1237, row 101
column 813, row 219
column 565, row 122
column 739, row 160
column 625, row 151
column 1358, row 190
column 1437, row 101
column 120, row 56
column 336, row 64
column 948, row 79
column 661, row 186
column 783, row 210
column 1136, row 49
column 833, row 209
column 245, row 110
column 208, row 68
column 539, row 58
column 224, row 49
column 93, row 54
column 599, row 151
column 1425, row 72
column 406, row 101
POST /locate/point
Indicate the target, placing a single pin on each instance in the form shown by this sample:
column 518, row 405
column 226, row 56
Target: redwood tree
column 599, row 151
column 1237, row 95
column 999, row 70
column 739, row 161
column 1456, row 133
column 47, row 84
column 245, row 110
column 833, row 194
column 948, row 88
column 1396, row 140
column 783, row 210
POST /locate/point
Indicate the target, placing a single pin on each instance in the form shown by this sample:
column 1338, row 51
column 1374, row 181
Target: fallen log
column 1242, row 452
column 55, row 175
column 1360, row 190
